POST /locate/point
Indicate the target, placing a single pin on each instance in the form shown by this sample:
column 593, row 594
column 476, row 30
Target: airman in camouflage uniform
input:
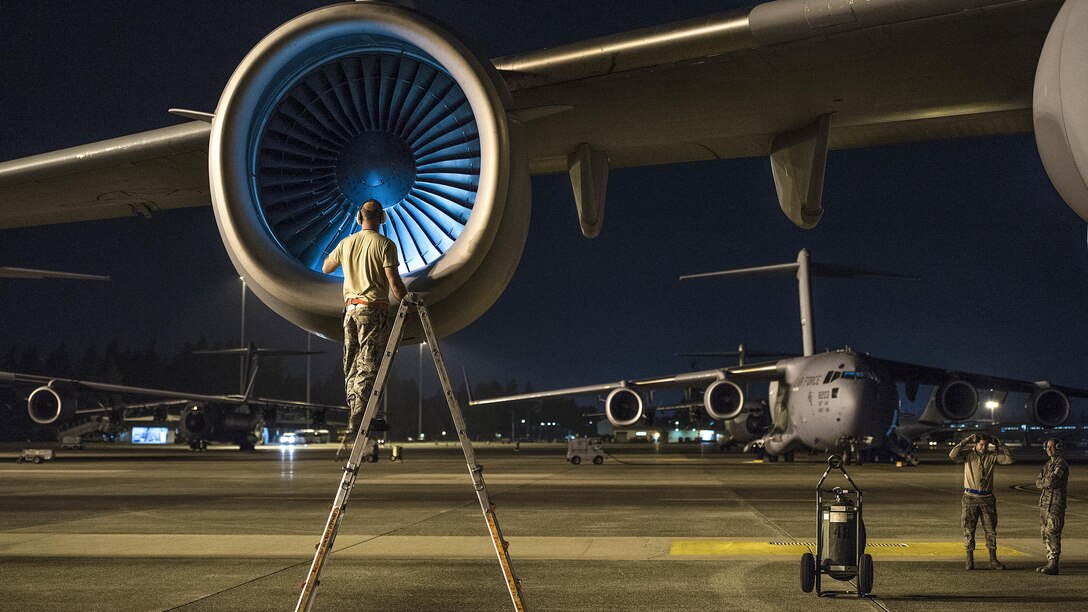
column 370, row 273
column 365, row 335
column 1053, row 480
column 978, row 497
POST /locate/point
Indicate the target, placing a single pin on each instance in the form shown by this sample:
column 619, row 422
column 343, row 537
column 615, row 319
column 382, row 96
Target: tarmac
column 678, row 527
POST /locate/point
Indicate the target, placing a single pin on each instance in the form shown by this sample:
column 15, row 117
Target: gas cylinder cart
column 585, row 448
column 840, row 539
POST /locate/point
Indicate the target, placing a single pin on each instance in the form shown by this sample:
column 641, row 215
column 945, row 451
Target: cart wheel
column 808, row 572
column 865, row 575
column 598, row 460
column 576, row 460
column 19, row 460
column 37, row 459
column 392, row 457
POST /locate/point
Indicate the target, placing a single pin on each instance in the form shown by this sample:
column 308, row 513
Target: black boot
column 970, row 565
column 994, row 563
column 1051, row 567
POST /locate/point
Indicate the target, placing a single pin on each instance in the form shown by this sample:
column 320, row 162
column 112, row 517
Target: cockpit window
column 857, row 374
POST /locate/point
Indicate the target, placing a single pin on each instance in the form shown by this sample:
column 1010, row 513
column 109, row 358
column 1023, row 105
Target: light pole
column 420, row 429
column 309, row 349
column 242, row 343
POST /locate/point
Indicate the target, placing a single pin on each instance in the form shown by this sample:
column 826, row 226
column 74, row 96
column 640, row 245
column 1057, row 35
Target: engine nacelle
column 46, row 405
column 723, row 400
column 1048, row 407
column 220, row 424
column 1060, row 105
column 198, row 422
column 956, row 400
column 624, row 407
column 369, row 100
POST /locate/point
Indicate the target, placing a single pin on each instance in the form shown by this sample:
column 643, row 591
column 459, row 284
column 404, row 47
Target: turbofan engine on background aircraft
column 625, row 406
column 201, row 423
column 367, row 100
column 957, row 400
column 1048, row 407
column 47, row 405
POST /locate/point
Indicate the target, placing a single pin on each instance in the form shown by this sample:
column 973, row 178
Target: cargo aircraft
column 375, row 99
column 232, row 419
column 844, row 400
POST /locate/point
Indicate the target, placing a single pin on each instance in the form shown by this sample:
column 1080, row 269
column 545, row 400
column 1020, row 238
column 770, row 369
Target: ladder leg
column 351, row 468
column 513, row 585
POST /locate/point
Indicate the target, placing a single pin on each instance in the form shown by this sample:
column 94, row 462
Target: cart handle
column 835, row 462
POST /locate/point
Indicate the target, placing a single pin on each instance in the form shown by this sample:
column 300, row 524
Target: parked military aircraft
column 370, row 99
column 233, row 419
column 839, row 400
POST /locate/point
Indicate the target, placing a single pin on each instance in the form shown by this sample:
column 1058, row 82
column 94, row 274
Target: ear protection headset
column 1058, row 446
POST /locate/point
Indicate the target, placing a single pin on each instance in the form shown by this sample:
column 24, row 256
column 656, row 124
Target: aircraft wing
column 733, row 84
column 20, row 379
column 126, row 176
column 728, row 85
column 927, row 375
column 9, row 272
column 740, row 374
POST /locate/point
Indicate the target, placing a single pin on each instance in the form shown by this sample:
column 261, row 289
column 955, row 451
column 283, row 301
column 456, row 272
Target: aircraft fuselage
column 831, row 401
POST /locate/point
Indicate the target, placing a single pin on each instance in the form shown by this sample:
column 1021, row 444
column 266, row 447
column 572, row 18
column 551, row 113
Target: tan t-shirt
column 978, row 468
column 364, row 257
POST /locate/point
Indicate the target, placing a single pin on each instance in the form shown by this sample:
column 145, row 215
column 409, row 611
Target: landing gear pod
column 840, row 539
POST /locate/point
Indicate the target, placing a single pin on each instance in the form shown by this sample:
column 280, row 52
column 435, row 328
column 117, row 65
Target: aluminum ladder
column 355, row 459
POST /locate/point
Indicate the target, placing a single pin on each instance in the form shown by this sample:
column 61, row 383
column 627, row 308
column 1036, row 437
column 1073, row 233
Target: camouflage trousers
column 365, row 337
column 974, row 507
column 1052, row 520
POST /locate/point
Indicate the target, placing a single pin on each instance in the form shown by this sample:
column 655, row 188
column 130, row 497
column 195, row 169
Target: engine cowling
column 236, row 425
column 1060, row 105
column 361, row 100
column 47, row 405
column 624, row 407
column 198, row 422
column 956, row 400
column 1048, row 407
column 723, row 400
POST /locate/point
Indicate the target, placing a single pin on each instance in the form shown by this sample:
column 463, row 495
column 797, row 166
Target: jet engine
column 1060, row 106
column 1048, row 407
column 956, row 400
column 46, row 405
column 199, row 422
column 624, row 407
column 368, row 100
column 723, row 400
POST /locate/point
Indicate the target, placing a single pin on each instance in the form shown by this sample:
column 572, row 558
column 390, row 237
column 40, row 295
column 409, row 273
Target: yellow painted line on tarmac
column 735, row 548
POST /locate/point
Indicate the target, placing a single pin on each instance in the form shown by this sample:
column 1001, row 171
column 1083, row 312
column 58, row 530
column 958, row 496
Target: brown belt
column 357, row 301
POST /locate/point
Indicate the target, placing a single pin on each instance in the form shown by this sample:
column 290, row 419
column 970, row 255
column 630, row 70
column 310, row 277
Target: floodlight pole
column 419, row 430
column 309, row 349
column 242, row 343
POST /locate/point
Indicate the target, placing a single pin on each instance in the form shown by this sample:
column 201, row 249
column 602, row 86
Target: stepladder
column 355, row 459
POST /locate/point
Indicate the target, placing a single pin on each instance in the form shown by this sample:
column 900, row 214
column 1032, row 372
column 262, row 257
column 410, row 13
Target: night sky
column 1003, row 261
